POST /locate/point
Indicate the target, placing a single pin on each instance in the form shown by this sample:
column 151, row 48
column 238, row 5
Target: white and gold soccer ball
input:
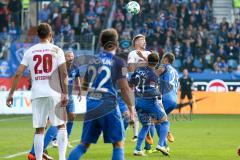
column 133, row 7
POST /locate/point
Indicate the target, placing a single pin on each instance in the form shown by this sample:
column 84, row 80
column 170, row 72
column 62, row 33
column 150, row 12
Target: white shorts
column 47, row 107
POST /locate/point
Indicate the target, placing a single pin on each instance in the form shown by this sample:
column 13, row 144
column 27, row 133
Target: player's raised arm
column 16, row 79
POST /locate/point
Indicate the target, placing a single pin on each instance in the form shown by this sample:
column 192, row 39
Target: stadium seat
column 197, row 63
column 177, row 63
column 232, row 63
column 207, row 70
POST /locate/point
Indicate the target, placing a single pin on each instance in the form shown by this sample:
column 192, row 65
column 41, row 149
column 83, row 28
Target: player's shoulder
column 118, row 60
column 132, row 53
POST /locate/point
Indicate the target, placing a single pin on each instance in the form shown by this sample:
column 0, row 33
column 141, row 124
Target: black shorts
column 188, row 94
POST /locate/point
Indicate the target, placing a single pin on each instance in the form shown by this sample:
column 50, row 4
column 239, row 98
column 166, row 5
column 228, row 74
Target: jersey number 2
column 46, row 61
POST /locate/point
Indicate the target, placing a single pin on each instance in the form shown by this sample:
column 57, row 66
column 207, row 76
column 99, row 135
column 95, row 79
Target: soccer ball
column 133, row 7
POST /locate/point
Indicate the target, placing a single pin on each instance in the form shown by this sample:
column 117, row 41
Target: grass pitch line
column 26, row 152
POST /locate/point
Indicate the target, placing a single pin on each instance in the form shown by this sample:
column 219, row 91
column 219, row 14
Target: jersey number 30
column 46, row 61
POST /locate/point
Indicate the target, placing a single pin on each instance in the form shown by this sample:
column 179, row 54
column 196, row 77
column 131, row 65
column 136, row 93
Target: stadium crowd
column 72, row 21
column 186, row 28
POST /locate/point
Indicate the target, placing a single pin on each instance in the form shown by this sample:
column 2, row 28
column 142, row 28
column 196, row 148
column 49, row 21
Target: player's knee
column 119, row 144
column 86, row 145
column 39, row 130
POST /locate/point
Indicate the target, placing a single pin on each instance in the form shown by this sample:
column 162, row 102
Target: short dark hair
column 170, row 57
column 109, row 38
column 153, row 59
column 44, row 30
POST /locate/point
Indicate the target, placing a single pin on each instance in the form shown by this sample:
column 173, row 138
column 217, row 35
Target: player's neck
column 44, row 40
column 139, row 49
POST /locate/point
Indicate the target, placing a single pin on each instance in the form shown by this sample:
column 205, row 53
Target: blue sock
column 77, row 152
column 69, row 127
column 118, row 153
column 49, row 136
column 151, row 130
column 162, row 130
column 141, row 137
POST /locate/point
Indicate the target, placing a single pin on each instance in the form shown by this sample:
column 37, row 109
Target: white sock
column 135, row 128
column 62, row 141
column 38, row 146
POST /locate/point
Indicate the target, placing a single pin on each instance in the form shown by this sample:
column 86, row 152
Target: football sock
column 162, row 130
column 77, row 152
column 151, row 130
column 62, row 141
column 38, row 146
column 135, row 128
column 141, row 137
column 51, row 133
column 69, row 127
column 118, row 153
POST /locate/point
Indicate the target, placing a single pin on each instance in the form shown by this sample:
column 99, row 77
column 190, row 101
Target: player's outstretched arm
column 127, row 95
column 78, row 83
column 16, row 79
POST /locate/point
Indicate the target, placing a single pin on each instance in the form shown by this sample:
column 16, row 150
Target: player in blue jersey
column 103, row 115
column 149, row 111
column 73, row 81
column 168, row 81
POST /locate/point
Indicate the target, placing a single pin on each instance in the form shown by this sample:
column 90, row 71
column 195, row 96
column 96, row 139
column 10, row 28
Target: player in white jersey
column 46, row 63
column 136, row 58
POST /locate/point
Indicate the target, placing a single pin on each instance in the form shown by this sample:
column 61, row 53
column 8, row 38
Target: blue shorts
column 148, row 109
column 70, row 106
column 169, row 103
column 122, row 105
column 110, row 124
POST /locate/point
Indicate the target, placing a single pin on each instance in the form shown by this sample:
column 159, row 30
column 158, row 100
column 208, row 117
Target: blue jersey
column 102, row 74
column 145, row 81
column 169, row 81
column 73, row 73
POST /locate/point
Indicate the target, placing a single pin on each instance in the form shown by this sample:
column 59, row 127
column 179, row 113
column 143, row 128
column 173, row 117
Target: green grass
column 207, row 137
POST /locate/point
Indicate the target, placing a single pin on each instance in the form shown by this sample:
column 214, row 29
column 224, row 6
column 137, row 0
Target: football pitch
column 206, row 137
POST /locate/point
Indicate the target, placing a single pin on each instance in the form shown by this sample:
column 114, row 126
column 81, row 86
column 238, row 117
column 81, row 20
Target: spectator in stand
column 99, row 8
column 75, row 20
column 221, row 52
column 208, row 59
column 66, row 30
column 4, row 17
column 84, row 25
column 91, row 16
column 220, row 65
column 13, row 31
column 15, row 8
column 214, row 26
column 231, row 51
column 65, row 10
column 56, row 21
column 224, row 23
column 53, row 5
column 44, row 14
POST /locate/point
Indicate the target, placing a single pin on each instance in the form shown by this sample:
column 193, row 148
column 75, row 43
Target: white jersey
column 42, row 60
column 134, row 58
